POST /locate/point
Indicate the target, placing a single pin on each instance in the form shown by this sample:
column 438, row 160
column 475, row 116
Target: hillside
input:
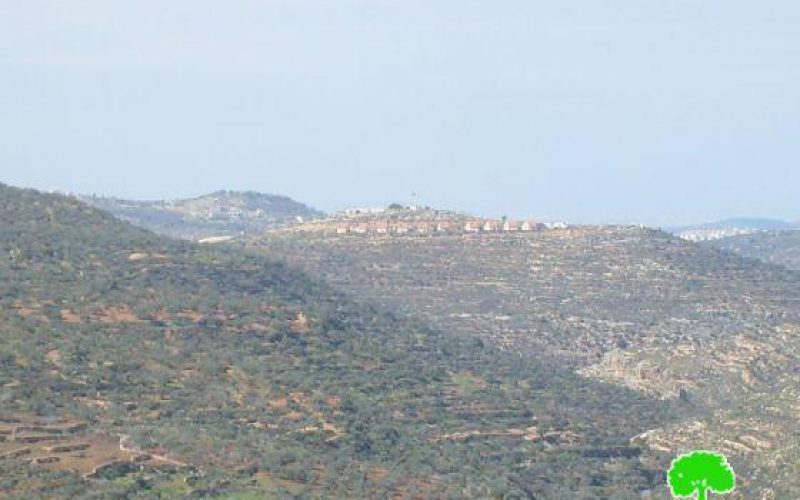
column 136, row 366
column 219, row 214
column 775, row 247
column 629, row 306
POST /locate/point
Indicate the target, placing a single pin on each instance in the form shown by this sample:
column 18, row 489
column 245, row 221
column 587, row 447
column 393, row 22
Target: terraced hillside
column 629, row 306
column 774, row 247
column 221, row 374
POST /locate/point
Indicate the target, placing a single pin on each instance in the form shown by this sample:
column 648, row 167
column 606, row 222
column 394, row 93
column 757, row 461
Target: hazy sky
column 655, row 111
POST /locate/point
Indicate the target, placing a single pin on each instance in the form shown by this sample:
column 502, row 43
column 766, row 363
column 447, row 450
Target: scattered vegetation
column 260, row 378
column 711, row 331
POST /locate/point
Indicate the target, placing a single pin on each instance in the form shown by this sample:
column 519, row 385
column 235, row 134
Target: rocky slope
column 634, row 307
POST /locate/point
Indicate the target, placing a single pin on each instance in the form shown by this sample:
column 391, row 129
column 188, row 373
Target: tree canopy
column 700, row 472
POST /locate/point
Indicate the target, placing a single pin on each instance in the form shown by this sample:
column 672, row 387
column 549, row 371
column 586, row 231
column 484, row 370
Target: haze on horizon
column 624, row 111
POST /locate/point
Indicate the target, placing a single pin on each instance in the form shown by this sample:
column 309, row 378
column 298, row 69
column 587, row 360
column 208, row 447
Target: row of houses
column 441, row 226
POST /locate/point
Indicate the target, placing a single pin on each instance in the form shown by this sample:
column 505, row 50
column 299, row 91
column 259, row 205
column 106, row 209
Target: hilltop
column 639, row 308
column 135, row 366
column 399, row 220
column 217, row 215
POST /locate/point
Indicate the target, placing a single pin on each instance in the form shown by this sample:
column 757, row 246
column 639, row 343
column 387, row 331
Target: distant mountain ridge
column 218, row 214
column 774, row 247
column 773, row 241
column 731, row 227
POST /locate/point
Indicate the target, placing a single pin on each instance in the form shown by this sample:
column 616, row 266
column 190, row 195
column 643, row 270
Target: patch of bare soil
column 67, row 444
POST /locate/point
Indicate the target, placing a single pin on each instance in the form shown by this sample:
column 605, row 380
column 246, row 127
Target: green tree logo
column 700, row 472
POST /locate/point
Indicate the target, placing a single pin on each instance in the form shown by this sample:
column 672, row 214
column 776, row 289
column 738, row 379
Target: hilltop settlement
column 410, row 220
